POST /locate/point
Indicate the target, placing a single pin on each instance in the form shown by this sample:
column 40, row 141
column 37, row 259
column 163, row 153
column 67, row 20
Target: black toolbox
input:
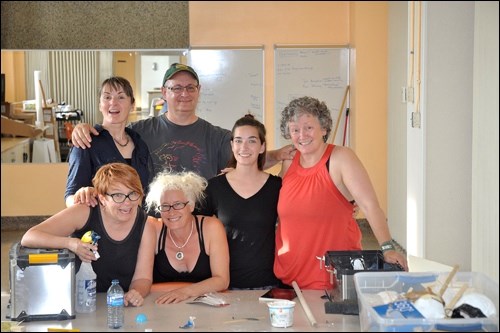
column 342, row 265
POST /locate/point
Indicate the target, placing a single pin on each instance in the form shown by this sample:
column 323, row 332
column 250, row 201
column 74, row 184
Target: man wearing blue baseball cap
column 179, row 140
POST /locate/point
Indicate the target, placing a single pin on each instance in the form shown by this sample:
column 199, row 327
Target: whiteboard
column 322, row 73
column 232, row 84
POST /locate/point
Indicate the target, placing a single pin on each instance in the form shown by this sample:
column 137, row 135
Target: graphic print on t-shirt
column 178, row 156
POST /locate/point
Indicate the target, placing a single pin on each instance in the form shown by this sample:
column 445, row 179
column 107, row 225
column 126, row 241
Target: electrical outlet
column 415, row 119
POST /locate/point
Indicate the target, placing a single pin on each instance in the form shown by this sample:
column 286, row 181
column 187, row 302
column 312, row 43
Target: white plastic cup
column 281, row 313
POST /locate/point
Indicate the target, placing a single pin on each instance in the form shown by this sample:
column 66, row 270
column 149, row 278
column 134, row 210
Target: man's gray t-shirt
column 200, row 147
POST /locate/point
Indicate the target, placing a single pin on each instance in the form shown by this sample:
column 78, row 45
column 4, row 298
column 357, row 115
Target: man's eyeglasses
column 120, row 197
column 177, row 206
column 179, row 89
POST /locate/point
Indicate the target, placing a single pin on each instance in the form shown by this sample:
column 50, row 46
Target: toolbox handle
column 43, row 258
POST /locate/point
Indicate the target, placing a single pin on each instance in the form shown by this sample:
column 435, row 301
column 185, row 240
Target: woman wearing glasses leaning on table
column 126, row 246
column 191, row 249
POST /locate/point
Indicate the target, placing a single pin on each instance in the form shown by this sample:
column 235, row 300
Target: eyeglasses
column 179, row 89
column 120, row 197
column 177, row 206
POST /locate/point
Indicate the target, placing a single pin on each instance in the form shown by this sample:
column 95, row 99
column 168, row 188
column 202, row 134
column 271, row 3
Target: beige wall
column 13, row 63
column 368, row 111
column 33, row 189
column 217, row 23
column 268, row 23
column 362, row 25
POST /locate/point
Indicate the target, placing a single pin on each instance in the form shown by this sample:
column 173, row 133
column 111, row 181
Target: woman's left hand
column 133, row 298
column 173, row 296
column 395, row 257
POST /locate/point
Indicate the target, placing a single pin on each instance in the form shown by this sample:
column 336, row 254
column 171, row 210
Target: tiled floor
column 10, row 237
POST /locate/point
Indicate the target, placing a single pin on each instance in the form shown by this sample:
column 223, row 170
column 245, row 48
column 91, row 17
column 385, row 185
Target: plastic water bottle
column 86, row 288
column 115, row 305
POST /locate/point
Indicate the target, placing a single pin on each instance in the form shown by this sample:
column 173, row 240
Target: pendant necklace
column 124, row 145
column 180, row 255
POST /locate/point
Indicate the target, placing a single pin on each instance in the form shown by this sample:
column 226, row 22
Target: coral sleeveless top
column 314, row 217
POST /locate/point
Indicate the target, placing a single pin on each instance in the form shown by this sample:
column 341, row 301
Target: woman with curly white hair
column 190, row 248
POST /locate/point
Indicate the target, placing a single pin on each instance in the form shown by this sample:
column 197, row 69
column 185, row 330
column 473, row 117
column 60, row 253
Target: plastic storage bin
column 368, row 285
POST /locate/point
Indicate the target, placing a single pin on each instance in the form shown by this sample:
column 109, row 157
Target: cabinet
column 15, row 150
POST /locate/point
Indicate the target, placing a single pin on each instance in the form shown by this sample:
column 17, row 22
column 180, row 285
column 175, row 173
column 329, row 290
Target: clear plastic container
column 371, row 286
column 86, row 288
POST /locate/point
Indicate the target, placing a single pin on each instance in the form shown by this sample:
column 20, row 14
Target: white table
column 244, row 304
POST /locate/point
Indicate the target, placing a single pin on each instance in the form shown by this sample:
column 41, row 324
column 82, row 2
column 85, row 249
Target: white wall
column 448, row 121
column 456, row 150
column 485, row 141
column 151, row 78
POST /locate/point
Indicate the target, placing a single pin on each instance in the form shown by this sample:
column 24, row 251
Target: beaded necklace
column 124, row 145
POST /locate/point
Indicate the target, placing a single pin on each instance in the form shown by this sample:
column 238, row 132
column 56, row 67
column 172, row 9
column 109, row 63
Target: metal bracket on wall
column 415, row 119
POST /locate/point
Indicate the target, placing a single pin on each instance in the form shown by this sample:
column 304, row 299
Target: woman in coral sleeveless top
column 314, row 208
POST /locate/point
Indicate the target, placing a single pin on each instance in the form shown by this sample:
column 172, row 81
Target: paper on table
column 417, row 264
column 212, row 299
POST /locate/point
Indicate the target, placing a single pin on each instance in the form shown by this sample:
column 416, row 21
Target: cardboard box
column 370, row 284
column 18, row 128
column 42, row 284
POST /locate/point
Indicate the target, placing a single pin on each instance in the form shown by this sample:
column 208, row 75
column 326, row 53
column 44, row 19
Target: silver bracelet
column 387, row 246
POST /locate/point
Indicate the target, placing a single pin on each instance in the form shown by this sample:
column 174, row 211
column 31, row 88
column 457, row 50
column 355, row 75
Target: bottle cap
column 141, row 318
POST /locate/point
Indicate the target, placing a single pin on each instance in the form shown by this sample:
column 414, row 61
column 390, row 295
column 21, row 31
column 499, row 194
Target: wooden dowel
column 332, row 139
column 458, row 295
column 44, row 103
column 448, row 280
column 303, row 302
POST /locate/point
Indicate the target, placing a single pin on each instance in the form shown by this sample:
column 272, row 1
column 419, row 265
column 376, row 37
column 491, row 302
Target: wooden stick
column 449, row 308
column 332, row 139
column 303, row 302
column 44, row 103
column 345, row 126
column 448, row 280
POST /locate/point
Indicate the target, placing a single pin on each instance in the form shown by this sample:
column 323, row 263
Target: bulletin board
column 232, row 83
column 320, row 72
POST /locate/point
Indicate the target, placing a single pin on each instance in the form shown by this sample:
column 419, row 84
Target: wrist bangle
column 387, row 246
